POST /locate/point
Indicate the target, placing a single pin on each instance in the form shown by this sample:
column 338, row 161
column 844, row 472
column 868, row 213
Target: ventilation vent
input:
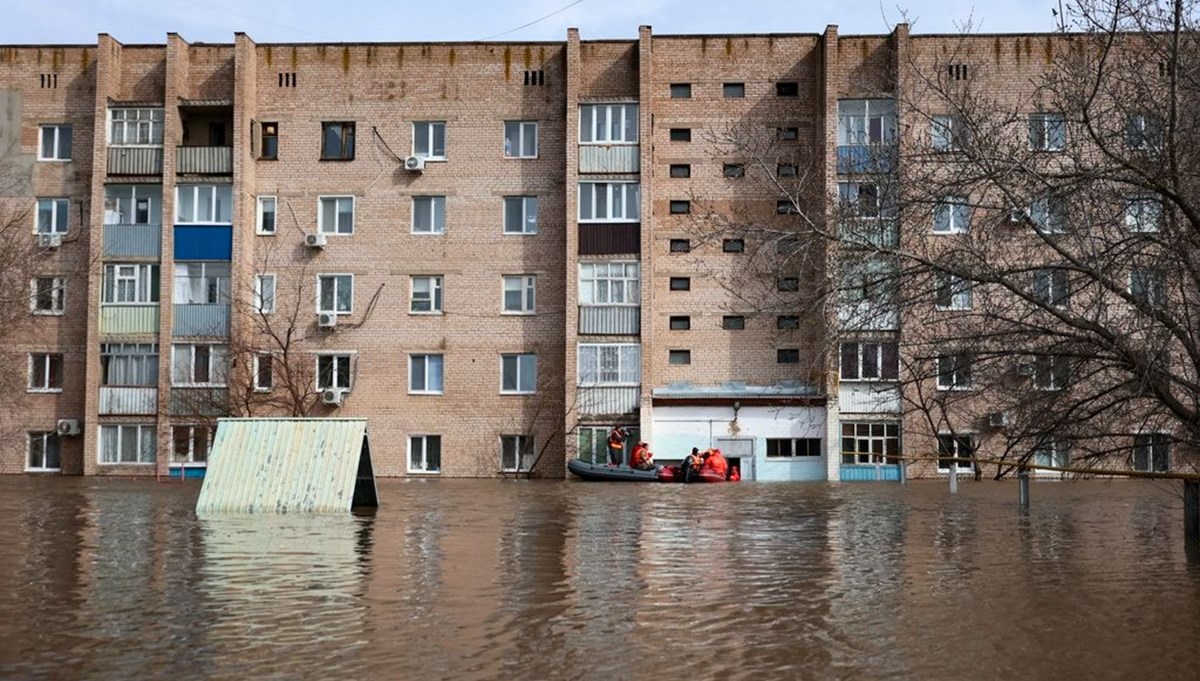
column 957, row 71
column 49, row 80
column 1165, row 69
column 287, row 79
column 535, row 77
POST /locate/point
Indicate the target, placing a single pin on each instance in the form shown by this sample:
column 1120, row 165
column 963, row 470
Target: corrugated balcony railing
column 128, row 319
column 201, row 320
column 869, row 316
column 133, row 240
column 866, row 159
column 135, row 160
column 128, row 400
column 603, row 400
column 868, row 398
column 610, row 320
column 605, row 158
column 870, row 232
column 199, row 401
column 204, row 160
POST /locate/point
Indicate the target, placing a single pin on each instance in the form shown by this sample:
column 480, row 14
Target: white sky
column 148, row 21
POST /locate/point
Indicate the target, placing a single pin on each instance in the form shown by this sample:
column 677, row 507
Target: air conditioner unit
column 49, row 240
column 333, row 396
column 998, row 419
column 67, row 427
column 414, row 163
column 326, row 320
column 314, row 240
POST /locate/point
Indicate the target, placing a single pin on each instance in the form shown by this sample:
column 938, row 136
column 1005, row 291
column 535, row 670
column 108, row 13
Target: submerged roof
column 287, row 465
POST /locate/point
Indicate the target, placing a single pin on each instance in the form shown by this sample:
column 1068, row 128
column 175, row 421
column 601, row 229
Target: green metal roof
column 286, row 465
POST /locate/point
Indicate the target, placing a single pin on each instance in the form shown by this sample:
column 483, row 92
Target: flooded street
column 551, row 580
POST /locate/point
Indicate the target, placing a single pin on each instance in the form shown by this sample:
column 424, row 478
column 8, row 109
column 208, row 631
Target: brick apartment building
column 476, row 246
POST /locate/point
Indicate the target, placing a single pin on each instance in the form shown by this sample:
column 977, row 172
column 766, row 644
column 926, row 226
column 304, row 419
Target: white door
column 742, row 449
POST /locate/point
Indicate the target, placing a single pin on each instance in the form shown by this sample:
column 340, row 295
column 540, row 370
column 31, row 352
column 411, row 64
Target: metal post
column 1191, row 510
column 903, row 471
column 954, row 477
column 1023, row 487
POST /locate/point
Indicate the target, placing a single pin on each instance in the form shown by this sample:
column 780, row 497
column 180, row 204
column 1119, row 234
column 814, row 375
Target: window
column 1143, row 214
column 337, row 141
column 871, row 280
column 733, row 245
column 681, row 284
column 1144, row 131
column 734, row 90
column 681, row 90
column 264, row 293
column 333, row 371
column 1147, row 286
column 264, row 222
column 45, row 452
column 335, row 293
column 951, row 447
column 132, row 204
column 1047, row 132
column 870, row 443
column 520, row 139
column 135, row 127
column 788, row 284
column 1152, row 452
column 201, row 283
column 953, row 292
column 54, row 142
column 787, row 89
column 787, row 322
column 870, row 361
column 609, row 201
column 609, row 364
column 1049, row 214
column 48, row 295
column 949, row 133
column 130, row 284
column 680, row 134
column 609, row 283
column 680, row 323
column 429, row 140
column 787, row 134
column 424, row 453
column 731, row 322
column 608, row 124
column 679, row 356
column 788, row 245
column 681, row 207
column 1056, row 453
column 786, row 207
column 681, row 170
column 425, row 374
column 516, row 453
column 426, row 295
column 863, row 200
column 128, row 444
column 190, row 444
column 787, row 170
column 954, row 371
column 520, row 294
column 520, row 215
column 45, row 373
column 429, row 215
column 733, row 170
column 952, row 215
column 1052, row 287
column 335, row 214
column 787, row 356
column 593, row 443
column 518, row 373
column 680, row 246
column 270, row 141
column 128, row 364
column 791, row 447
column 1051, row 372
column 196, row 364
column 53, row 216
column 866, row 121
column 264, row 372
column 204, row 204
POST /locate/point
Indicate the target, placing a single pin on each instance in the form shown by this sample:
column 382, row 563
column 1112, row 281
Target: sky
column 148, row 21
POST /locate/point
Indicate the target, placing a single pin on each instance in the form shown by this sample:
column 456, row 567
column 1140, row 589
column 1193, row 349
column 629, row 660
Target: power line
column 219, row 8
column 535, row 21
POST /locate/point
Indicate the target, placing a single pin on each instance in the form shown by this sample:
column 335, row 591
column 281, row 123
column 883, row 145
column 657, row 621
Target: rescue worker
column 717, row 463
column 616, row 446
column 690, row 465
column 641, row 458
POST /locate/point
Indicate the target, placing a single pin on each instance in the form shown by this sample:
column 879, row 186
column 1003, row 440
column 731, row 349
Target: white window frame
column 949, row 132
column 521, row 137
column 430, row 135
column 1048, row 281
column 960, row 290
column 870, row 456
column 46, row 438
column 1143, row 132
column 436, row 292
column 335, row 374
column 1143, row 214
column 258, row 357
column 520, row 359
column 334, row 277
column 1051, row 373
column 218, row 365
column 525, row 229
column 953, row 215
column 868, row 353
column 591, row 284
column 190, row 460
column 59, row 207
column 213, row 201
column 424, row 357
column 424, row 468
column 336, row 228
column 58, row 296
column 153, row 199
column 598, row 110
column 1056, row 453
column 524, row 451
column 262, row 303
column 610, row 202
column 956, row 439
column 1043, row 122
column 1046, row 212
column 138, row 361
column 526, row 286
column 143, row 458
column 962, row 368
column 1155, row 296
column 1150, row 439
column 437, row 209
column 793, row 447
column 856, row 128
column 222, row 280
column 260, row 210
column 628, row 357
column 153, row 122
column 39, row 376
column 56, row 129
column 144, row 290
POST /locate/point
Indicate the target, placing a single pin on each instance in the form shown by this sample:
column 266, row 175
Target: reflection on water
column 548, row 580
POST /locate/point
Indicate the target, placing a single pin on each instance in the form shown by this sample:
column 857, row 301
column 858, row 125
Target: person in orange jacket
column 641, row 458
column 717, row 463
column 616, row 446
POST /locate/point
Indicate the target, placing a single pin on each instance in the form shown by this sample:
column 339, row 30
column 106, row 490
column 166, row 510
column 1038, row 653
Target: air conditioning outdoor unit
column 49, row 240
column 333, row 396
column 326, row 320
column 998, row 419
column 314, row 240
column 67, row 427
column 414, row 163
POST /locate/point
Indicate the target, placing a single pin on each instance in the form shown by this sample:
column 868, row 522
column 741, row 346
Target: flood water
column 104, row 579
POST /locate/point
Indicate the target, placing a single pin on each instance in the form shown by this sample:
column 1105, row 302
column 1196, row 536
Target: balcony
column 606, row 158
column 133, row 241
column 869, row 232
column 866, row 159
column 118, row 401
column 610, row 320
column 609, row 400
column 204, row 160
column 199, row 402
column 201, row 320
column 869, row 315
column 129, row 319
column 135, row 160
column 855, row 397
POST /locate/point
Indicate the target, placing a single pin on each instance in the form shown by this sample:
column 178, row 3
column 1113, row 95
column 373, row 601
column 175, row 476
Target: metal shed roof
column 288, row 465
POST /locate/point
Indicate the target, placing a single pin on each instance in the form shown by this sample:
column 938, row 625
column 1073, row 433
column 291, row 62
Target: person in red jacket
column 717, row 463
column 641, row 458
